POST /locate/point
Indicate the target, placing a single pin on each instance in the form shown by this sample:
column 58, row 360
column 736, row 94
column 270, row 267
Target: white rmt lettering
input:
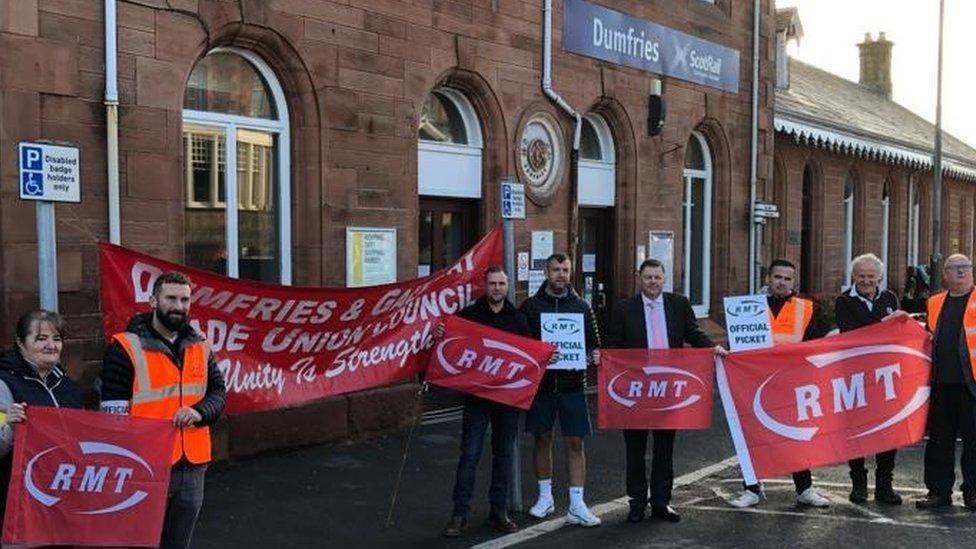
column 848, row 397
column 93, row 479
column 806, row 399
column 886, row 375
column 657, row 389
column 62, row 478
column 635, row 389
column 122, row 474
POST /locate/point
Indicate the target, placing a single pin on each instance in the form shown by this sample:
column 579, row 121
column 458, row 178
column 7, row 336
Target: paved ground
column 340, row 495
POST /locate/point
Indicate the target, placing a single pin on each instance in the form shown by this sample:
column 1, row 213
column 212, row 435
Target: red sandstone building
column 253, row 135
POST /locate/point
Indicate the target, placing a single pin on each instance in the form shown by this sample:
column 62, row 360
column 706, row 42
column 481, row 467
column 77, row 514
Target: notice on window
column 536, row 278
column 370, row 256
column 660, row 245
column 541, row 249
column 567, row 332
column 747, row 322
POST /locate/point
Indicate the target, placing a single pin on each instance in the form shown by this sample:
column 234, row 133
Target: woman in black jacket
column 31, row 375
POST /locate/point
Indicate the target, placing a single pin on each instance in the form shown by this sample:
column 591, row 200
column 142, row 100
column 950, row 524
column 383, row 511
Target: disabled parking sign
column 49, row 172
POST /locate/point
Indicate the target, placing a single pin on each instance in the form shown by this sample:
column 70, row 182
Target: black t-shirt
column 946, row 359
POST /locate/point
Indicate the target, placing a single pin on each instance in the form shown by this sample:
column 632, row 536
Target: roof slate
column 822, row 98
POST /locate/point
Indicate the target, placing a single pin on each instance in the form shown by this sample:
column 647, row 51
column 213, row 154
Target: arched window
column 450, row 146
column 697, row 223
column 448, row 178
column 913, row 217
column 236, row 168
column 885, row 216
column 597, row 174
column 849, row 196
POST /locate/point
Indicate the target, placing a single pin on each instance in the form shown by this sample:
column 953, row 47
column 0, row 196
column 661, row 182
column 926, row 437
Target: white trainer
column 542, row 508
column 812, row 498
column 747, row 498
column 582, row 516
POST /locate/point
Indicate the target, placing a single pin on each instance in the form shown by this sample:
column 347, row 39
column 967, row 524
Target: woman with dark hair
column 31, row 375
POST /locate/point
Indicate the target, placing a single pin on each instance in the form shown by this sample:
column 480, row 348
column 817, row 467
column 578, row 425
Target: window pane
column 227, row 83
column 425, row 237
column 205, row 240
column 257, row 215
column 696, row 292
column 694, row 155
column 440, row 120
column 590, row 142
column 452, row 231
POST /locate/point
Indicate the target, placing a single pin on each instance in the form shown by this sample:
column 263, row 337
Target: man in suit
column 653, row 319
column 952, row 411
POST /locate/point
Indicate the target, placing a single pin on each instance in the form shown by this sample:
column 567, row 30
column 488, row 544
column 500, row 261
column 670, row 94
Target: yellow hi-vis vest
column 792, row 321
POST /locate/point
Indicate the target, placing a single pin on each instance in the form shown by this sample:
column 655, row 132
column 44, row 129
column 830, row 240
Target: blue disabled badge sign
column 567, row 332
column 747, row 322
column 49, row 172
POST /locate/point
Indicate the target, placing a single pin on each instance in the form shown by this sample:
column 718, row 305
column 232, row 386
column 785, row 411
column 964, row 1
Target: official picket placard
column 567, row 331
column 747, row 322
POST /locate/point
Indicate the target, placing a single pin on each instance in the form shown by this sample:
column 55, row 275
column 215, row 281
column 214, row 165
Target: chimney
column 876, row 64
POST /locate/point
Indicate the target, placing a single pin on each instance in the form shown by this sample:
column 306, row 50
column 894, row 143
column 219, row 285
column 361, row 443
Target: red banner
column 281, row 345
column 655, row 388
column 87, row 478
column 805, row 405
column 488, row 363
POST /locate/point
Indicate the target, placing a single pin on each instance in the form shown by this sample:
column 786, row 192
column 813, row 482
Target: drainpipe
column 754, row 148
column 562, row 104
column 112, row 124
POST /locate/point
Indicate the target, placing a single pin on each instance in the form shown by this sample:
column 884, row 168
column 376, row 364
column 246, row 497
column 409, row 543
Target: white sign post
column 48, row 174
column 567, row 331
column 747, row 322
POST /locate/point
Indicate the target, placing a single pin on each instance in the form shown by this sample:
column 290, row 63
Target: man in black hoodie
column 496, row 311
column 561, row 394
column 160, row 367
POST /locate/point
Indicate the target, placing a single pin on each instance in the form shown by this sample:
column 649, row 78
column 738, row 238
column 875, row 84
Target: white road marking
column 827, row 484
column 602, row 509
column 890, row 522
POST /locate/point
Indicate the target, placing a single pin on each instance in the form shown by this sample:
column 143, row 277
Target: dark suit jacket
column 628, row 329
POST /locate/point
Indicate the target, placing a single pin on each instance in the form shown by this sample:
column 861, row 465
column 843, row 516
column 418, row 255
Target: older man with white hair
column 864, row 303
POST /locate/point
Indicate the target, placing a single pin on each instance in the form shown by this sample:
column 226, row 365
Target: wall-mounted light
column 655, row 109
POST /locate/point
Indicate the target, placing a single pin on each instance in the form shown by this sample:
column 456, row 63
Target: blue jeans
column 182, row 505
column 478, row 413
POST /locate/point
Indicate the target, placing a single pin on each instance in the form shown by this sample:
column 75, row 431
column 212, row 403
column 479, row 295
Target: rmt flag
column 655, row 389
column 488, row 363
column 804, row 405
column 86, row 478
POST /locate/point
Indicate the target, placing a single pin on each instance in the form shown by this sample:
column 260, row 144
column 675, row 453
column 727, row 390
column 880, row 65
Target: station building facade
column 253, row 135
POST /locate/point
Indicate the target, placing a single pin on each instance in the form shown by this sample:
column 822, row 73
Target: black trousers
column 952, row 411
column 801, row 481
column 883, row 472
column 662, row 466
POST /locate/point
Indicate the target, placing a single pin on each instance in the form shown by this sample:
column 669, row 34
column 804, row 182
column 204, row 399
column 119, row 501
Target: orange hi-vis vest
column 934, row 309
column 160, row 388
column 792, row 321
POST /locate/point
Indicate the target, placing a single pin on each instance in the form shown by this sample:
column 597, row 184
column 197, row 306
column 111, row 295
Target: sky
column 833, row 28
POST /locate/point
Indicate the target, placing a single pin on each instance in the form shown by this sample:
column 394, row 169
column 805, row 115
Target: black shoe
column 969, row 500
column 455, row 526
column 501, row 523
column 932, row 502
column 884, row 493
column 636, row 513
column 665, row 512
column 859, row 492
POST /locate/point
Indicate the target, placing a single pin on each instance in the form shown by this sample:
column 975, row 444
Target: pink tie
column 660, row 341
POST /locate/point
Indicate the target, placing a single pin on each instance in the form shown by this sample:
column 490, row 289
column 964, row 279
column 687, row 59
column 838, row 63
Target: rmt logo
column 562, row 325
column 746, row 309
column 656, row 388
column 106, row 481
column 876, row 396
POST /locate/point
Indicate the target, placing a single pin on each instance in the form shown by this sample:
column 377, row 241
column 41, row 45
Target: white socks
column 545, row 489
column 576, row 497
